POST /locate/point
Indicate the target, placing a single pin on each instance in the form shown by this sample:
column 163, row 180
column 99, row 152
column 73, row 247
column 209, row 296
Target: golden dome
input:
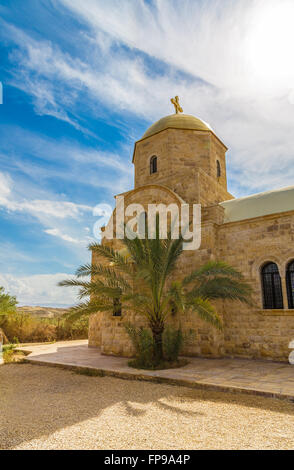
column 177, row 121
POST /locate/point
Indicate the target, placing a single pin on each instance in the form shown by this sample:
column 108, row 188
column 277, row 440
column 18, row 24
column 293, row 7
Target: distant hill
column 45, row 312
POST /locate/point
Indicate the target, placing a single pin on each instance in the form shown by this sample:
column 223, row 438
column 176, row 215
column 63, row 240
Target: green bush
column 8, row 347
column 172, row 343
column 25, row 328
column 68, row 327
column 8, row 352
column 143, row 343
column 8, row 356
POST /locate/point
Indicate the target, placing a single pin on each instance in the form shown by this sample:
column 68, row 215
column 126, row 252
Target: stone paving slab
column 265, row 378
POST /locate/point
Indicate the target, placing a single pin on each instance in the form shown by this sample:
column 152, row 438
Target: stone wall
column 109, row 333
column 181, row 156
column 248, row 245
column 95, row 330
column 187, row 173
column 249, row 331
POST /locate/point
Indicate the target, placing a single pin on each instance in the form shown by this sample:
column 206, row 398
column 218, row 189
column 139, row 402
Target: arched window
column 290, row 284
column 153, row 164
column 116, row 307
column 218, row 169
column 271, row 287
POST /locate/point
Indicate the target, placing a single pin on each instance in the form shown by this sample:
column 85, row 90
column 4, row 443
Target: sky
column 82, row 81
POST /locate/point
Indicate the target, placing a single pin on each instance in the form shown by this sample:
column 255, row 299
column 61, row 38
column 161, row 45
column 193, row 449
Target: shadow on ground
column 36, row 401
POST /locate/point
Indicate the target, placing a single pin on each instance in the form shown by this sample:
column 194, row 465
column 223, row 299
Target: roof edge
column 277, row 201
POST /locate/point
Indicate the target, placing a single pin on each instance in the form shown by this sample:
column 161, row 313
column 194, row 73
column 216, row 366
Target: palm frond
column 87, row 308
column 74, row 283
column 84, row 270
column 222, row 288
column 111, row 274
column 176, row 297
column 206, row 312
column 174, row 249
column 212, row 268
column 113, row 256
column 141, row 281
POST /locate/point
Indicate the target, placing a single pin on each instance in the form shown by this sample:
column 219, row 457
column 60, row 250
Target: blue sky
column 83, row 79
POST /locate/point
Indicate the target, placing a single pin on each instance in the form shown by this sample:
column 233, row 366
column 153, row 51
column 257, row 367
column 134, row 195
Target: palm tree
column 140, row 277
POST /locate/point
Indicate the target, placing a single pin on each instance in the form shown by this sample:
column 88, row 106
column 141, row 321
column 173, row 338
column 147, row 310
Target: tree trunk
column 157, row 333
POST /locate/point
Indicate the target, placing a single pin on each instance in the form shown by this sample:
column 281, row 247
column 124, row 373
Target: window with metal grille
column 271, row 287
column 153, row 164
column 218, row 169
column 116, row 307
column 290, row 284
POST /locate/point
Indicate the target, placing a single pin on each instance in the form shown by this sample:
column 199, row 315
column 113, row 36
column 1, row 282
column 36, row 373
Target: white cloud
column 5, row 187
column 40, row 289
column 58, row 209
column 248, row 77
column 19, row 257
column 240, row 76
column 38, row 207
column 228, row 60
column 55, row 232
column 228, row 43
column 66, row 160
column 61, row 219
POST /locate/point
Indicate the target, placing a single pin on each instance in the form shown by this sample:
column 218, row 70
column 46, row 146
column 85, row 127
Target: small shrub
column 172, row 343
column 8, row 353
column 11, row 355
column 8, row 356
column 143, row 344
column 8, row 347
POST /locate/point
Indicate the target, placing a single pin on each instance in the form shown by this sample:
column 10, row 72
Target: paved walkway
column 263, row 378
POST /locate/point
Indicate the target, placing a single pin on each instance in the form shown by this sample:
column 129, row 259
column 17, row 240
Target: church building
column 180, row 160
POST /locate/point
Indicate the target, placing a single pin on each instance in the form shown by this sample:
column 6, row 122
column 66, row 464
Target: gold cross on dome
column 175, row 102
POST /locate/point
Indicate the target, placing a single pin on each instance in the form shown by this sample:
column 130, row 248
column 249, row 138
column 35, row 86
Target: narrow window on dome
column 153, row 164
column 218, row 169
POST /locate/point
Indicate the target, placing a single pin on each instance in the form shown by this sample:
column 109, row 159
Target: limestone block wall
column 176, row 150
column 249, row 331
column 210, row 190
column 109, row 334
column 181, row 154
column 187, row 173
column 218, row 152
column 150, row 194
column 252, row 331
column 95, row 330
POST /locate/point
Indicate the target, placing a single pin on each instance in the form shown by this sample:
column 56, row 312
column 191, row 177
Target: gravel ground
column 47, row 408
